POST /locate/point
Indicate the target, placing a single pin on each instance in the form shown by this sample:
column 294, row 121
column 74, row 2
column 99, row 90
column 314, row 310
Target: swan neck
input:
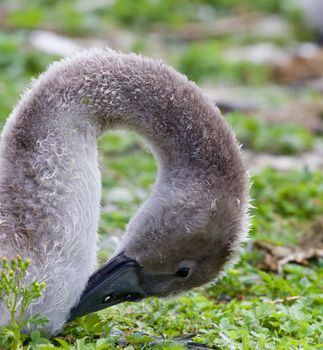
column 50, row 186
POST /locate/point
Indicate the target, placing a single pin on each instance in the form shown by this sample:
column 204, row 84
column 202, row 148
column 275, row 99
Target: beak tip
column 117, row 281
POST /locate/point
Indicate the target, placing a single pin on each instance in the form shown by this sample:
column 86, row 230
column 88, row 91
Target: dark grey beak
column 120, row 279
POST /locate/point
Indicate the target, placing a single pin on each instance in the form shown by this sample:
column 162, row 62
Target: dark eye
column 183, row 272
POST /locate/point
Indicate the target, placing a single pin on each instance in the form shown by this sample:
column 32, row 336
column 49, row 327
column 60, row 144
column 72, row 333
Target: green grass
column 249, row 308
column 205, row 61
column 243, row 310
column 256, row 134
column 18, row 63
column 77, row 17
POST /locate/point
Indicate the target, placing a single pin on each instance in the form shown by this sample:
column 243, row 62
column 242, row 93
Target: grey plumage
column 196, row 216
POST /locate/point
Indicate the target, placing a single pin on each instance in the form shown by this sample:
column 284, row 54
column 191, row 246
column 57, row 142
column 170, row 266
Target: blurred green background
column 262, row 63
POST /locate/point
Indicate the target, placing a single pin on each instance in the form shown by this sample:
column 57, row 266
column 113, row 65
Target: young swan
column 186, row 232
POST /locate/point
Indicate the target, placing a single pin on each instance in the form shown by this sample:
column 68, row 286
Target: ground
column 260, row 63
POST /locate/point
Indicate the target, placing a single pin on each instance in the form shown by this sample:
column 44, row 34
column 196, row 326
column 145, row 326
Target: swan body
column 50, row 187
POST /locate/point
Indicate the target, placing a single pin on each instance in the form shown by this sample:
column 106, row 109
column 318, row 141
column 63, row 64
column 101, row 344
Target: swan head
column 173, row 244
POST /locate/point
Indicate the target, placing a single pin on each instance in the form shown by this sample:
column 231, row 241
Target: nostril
column 183, row 272
column 107, row 299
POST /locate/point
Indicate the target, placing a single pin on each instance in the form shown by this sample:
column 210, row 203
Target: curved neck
column 49, row 178
column 52, row 132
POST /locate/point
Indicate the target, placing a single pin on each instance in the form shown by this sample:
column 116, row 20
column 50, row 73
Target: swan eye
column 183, row 272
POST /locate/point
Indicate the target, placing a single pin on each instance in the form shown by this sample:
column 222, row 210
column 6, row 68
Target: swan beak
column 120, row 279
